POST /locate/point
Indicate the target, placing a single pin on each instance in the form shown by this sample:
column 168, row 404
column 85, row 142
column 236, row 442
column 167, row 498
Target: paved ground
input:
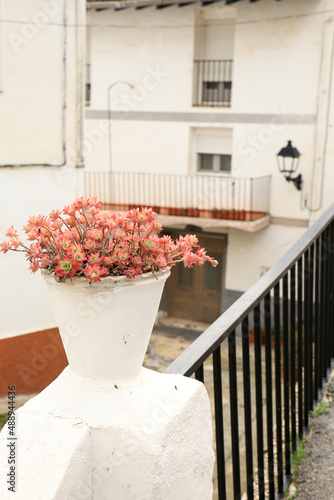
column 315, row 480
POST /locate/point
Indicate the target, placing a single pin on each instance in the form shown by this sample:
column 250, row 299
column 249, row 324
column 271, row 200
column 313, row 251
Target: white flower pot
column 106, row 326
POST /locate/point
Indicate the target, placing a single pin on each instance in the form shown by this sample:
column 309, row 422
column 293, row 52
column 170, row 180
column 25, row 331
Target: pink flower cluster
column 82, row 240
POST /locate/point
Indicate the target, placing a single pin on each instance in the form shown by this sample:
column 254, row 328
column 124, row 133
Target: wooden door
column 196, row 293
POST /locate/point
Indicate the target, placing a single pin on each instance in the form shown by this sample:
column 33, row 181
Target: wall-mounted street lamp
column 288, row 161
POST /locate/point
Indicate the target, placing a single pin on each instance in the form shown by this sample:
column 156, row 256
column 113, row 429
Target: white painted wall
column 40, row 123
column 25, row 191
column 283, row 69
column 40, row 104
column 137, row 44
column 278, row 59
column 28, row 84
column 250, row 255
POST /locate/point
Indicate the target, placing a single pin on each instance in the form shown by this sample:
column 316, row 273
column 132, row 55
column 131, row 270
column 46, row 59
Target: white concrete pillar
column 83, row 439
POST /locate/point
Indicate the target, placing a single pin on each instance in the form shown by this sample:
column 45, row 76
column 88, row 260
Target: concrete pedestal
column 87, row 439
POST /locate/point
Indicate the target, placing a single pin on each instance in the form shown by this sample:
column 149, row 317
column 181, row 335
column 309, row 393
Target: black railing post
column 278, row 388
column 247, row 408
column 331, row 297
column 269, row 395
column 300, row 347
column 293, row 355
column 326, row 302
column 317, row 329
column 322, row 308
column 286, row 378
column 307, row 342
column 258, row 389
column 311, row 323
column 218, row 397
column 199, row 373
column 330, row 293
column 232, row 364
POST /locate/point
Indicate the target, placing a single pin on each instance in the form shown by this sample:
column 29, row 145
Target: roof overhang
column 119, row 5
column 122, row 4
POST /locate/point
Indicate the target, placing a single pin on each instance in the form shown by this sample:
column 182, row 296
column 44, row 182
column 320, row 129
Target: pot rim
column 108, row 281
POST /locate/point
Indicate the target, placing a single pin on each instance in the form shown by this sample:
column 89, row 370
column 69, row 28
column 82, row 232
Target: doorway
column 196, row 294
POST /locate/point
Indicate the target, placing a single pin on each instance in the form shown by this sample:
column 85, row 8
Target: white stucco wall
column 136, row 44
column 25, row 191
column 279, row 59
column 27, row 85
column 40, row 100
column 41, row 124
column 250, row 255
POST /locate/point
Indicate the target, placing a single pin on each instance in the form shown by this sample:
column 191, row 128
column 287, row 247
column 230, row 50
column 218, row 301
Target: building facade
column 187, row 106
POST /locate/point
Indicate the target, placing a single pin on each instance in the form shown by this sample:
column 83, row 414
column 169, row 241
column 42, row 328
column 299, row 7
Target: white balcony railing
column 217, row 197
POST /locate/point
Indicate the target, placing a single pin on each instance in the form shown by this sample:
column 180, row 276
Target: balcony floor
column 238, row 219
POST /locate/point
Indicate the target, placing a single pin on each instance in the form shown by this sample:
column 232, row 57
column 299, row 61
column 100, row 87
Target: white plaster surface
column 24, row 192
column 147, row 438
column 250, row 255
column 41, row 80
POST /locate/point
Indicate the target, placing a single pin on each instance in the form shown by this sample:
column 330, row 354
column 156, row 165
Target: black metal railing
column 195, row 196
column 290, row 310
column 213, row 82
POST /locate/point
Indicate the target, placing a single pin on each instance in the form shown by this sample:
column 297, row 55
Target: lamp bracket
column 297, row 181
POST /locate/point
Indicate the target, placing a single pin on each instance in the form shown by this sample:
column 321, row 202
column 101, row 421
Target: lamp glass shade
column 291, row 154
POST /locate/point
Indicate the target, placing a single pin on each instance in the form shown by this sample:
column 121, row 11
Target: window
column 213, row 65
column 213, row 150
column 216, row 93
column 88, row 85
column 214, row 163
column 88, row 67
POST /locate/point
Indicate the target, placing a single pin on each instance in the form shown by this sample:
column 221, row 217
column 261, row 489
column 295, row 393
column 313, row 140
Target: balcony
column 199, row 196
column 213, row 82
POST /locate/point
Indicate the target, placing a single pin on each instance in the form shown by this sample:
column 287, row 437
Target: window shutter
column 214, row 142
column 218, row 41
